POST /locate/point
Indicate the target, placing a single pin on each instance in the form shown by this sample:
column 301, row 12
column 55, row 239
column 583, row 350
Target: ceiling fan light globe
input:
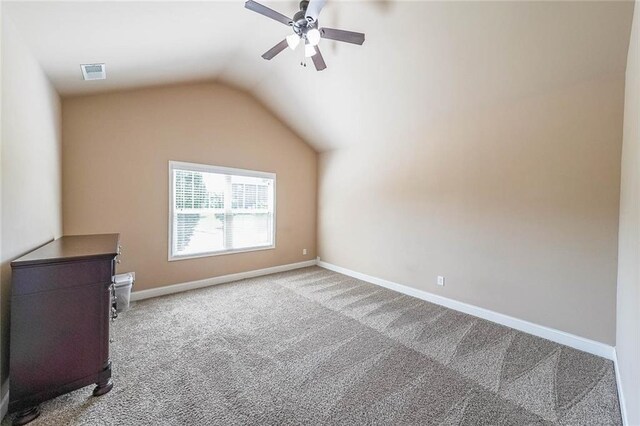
column 293, row 40
column 309, row 50
column 313, row 35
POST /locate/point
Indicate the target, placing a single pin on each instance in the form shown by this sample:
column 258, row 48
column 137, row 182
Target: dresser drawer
column 54, row 276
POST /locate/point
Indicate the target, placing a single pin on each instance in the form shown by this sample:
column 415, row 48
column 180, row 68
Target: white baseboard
column 192, row 285
column 4, row 405
column 571, row 340
column 623, row 406
column 577, row 342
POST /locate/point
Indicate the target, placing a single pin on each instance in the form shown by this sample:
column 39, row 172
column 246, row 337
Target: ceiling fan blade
column 269, row 13
column 318, row 60
column 342, row 35
column 313, row 9
column 271, row 53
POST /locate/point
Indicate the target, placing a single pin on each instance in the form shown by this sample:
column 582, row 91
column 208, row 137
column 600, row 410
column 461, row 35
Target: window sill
column 219, row 253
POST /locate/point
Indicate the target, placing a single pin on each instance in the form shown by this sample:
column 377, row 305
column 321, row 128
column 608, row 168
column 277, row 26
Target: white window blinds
column 217, row 210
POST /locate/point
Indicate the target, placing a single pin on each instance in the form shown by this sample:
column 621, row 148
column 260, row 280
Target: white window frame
column 223, row 170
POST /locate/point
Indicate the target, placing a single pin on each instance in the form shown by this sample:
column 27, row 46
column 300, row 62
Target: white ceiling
column 420, row 59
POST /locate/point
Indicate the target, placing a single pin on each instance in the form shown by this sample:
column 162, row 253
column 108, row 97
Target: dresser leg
column 102, row 387
column 25, row 416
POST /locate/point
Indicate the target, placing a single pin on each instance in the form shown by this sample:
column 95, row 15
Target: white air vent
column 93, row 71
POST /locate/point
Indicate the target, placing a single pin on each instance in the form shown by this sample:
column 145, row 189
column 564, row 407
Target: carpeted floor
column 315, row 347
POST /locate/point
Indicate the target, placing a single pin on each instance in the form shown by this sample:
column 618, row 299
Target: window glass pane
column 251, row 230
column 204, row 223
column 262, row 193
column 237, row 195
column 217, row 200
column 188, row 190
column 249, row 196
column 199, row 233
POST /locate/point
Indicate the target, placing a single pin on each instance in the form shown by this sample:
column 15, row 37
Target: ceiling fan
column 305, row 27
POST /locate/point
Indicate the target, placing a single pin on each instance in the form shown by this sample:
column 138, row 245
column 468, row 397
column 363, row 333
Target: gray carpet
column 315, row 347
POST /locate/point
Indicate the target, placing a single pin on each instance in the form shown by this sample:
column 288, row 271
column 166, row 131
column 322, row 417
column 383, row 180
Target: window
column 217, row 210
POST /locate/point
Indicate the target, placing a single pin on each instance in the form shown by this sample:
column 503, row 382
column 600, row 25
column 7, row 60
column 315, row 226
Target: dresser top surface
column 72, row 247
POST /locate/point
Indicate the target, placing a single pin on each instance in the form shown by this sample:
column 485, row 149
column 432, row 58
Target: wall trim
column 192, row 285
column 4, row 405
column 623, row 406
column 577, row 342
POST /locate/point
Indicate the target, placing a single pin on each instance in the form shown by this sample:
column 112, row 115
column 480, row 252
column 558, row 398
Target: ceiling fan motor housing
column 300, row 22
column 299, row 19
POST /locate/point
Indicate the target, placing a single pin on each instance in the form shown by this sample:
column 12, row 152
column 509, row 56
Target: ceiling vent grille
column 93, row 71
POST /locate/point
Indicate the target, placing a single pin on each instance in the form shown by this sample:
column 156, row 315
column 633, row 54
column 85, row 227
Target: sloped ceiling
column 420, row 61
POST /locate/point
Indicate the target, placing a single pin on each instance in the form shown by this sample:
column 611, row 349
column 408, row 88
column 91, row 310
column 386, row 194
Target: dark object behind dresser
column 60, row 311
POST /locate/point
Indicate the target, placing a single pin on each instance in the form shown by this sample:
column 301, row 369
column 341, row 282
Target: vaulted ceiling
column 421, row 60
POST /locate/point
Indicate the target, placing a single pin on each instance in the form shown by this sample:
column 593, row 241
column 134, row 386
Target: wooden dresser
column 60, row 310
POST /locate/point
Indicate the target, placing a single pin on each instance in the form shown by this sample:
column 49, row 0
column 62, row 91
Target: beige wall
column 30, row 163
column 628, row 314
column 516, row 205
column 116, row 149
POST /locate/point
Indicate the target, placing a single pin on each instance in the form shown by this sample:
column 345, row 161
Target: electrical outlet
column 440, row 280
column 304, row 252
